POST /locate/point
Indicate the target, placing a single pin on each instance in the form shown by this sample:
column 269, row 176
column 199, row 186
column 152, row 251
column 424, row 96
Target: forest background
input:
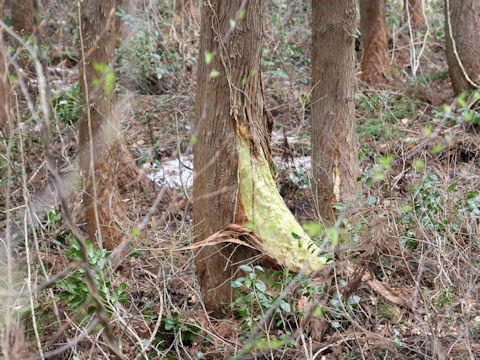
column 108, row 263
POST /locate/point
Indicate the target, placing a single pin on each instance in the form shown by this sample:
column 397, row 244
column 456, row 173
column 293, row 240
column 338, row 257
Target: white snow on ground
column 173, row 173
column 178, row 174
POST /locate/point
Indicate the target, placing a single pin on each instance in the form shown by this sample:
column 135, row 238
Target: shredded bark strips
column 283, row 238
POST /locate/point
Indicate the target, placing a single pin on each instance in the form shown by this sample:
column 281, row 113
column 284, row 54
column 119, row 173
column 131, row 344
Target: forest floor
column 405, row 281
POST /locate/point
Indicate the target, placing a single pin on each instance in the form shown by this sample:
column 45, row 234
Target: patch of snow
column 298, row 169
column 173, row 173
column 179, row 174
column 301, row 163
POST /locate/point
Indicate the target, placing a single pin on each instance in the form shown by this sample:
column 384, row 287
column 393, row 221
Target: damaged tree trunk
column 462, row 31
column 334, row 143
column 375, row 63
column 233, row 183
column 100, row 134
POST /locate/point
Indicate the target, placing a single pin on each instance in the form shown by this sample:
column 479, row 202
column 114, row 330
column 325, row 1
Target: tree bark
column 334, row 143
column 100, row 131
column 4, row 86
column 414, row 11
column 375, row 63
column 233, row 183
column 22, row 15
column 462, row 25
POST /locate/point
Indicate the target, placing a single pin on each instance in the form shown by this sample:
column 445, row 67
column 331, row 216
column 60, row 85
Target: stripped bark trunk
column 462, row 31
column 334, row 143
column 100, row 131
column 215, row 158
column 414, row 10
column 375, row 63
column 233, row 182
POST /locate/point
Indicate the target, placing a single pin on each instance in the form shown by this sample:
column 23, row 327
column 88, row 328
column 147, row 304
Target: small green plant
column 341, row 309
column 74, row 290
column 142, row 59
column 445, row 298
column 67, row 105
column 254, row 301
column 382, row 111
column 173, row 328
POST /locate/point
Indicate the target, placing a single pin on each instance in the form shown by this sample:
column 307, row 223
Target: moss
column 272, row 222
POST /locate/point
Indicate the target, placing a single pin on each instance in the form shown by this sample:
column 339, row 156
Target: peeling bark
column 232, row 179
column 334, row 143
column 373, row 27
column 463, row 55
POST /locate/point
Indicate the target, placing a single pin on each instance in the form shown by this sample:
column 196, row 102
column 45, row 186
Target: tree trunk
column 4, row 87
column 462, row 25
column 99, row 130
column 414, row 11
column 22, row 15
column 233, row 182
column 375, row 63
column 334, row 143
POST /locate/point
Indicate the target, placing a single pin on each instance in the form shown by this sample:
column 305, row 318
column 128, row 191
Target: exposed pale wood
column 222, row 103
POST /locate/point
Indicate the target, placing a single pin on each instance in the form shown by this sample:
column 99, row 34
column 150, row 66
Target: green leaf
column 246, row 268
column 333, row 234
column 427, row 130
column 208, row 57
column 336, row 324
column 312, row 228
column 419, row 165
column 238, row 282
column 295, row 236
column 461, row 99
column 121, row 288
column 169, row 324
column 285, row 306
column 472, row 195
column 100, row 68
column 214, row 73
column 109, row 82
column 437, row 148
column 354, row 300
column 452, row 187
column 260, row 286
column 319, row 312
